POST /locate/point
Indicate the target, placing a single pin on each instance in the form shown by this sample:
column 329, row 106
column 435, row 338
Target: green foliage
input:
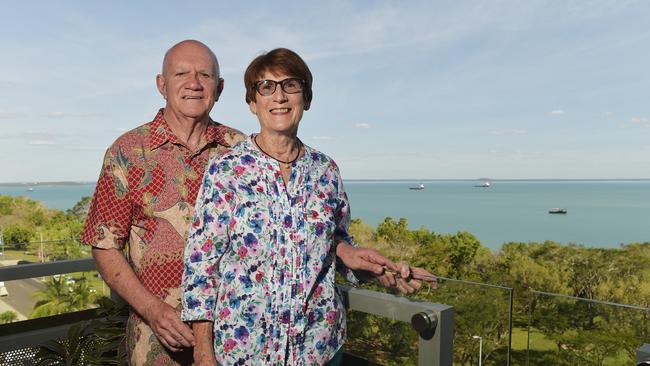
column 97, row 342
column 71, row 351
column 27, row 222
column 80, row 209
column 37, row 217
column 581, row 332
column 58, row 297
column 6, row 204
column 8, row 317
column 17, row 234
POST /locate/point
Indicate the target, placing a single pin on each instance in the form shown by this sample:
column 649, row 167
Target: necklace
column 286, row 163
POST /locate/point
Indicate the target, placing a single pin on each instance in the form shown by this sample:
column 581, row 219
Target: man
column 145, row 198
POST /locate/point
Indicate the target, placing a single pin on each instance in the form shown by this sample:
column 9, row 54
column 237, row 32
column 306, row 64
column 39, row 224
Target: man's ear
column 219, row 89
column 162, row 87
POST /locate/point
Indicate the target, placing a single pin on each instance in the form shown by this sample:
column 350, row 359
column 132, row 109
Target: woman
column 262, row 250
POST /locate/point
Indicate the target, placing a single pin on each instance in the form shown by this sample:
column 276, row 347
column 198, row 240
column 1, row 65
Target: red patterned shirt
column 145, row 198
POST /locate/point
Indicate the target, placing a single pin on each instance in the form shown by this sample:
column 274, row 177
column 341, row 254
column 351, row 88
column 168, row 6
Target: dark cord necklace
column 287, row 163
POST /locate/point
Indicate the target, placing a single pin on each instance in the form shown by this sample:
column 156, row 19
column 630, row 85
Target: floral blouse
column 260, row 259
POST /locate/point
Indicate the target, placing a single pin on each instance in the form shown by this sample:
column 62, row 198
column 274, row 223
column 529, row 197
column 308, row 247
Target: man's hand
column 166, row 324
column 163, row 319
column 390, row 274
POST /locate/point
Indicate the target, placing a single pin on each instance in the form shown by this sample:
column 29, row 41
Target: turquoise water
column 600, row 213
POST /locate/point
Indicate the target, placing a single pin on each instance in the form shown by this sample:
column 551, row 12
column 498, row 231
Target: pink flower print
column 317, row 291
column 258, row 276
column 330, row 316
column 239, row 170
column 242, row 252
column 229, row 345
column 223, row 313
column 207, row 246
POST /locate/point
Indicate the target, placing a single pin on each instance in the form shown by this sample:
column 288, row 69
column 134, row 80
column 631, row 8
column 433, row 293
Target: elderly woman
column 270, row 221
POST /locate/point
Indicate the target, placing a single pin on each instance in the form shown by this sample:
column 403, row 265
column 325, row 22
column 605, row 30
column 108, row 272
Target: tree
column 81, row 296
column 53, row 299
column 8, row 317
column 17, row 234
column 80, row 209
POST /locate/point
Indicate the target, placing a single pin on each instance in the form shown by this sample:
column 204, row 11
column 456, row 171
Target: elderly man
column 145, row 198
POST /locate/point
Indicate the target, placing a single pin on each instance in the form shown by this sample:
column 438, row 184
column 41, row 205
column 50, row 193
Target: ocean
column 599, row 213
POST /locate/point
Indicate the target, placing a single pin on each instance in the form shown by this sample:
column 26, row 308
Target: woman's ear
column 253, row 107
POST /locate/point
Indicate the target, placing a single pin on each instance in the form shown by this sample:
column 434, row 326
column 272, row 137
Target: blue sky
column 403, row 89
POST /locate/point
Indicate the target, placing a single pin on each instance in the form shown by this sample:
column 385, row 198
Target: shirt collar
column 160, row 133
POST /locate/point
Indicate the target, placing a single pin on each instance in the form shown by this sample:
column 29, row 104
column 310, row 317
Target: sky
column 402, row 89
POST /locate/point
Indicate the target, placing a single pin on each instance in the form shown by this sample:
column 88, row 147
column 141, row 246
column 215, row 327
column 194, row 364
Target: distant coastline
column 601, row 212
column 63, row 183
column 383, row 180
column 505, row 180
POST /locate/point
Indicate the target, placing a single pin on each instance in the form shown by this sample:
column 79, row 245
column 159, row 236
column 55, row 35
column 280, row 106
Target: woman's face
column 279, row 112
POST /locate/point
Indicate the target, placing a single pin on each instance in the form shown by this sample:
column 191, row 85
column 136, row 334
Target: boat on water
column 418, row 187
column 485, row 184
column 30, row 189
column 557, row 210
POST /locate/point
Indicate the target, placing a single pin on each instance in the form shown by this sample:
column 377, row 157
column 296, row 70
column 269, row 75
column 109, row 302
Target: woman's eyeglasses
column 289, row 86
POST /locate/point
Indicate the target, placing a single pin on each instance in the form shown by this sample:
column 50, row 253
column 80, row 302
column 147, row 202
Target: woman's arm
column 204, row 348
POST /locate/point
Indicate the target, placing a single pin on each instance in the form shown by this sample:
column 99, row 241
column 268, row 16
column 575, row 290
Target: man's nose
column 194, row 82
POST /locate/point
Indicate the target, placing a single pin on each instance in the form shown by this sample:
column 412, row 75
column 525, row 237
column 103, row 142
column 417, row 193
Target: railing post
column 437, row 350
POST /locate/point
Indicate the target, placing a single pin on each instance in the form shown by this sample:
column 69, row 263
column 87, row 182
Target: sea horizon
column 406, row 180
column 600, row 212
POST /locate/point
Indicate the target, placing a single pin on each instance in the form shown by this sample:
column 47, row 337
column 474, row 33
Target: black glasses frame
column 282, row 83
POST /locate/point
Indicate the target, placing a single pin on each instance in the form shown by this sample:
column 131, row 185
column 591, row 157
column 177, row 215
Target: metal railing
column 585, row 331
column 33, row 332
column 436, row 336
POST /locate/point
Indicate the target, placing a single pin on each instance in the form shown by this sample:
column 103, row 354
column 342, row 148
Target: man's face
column 189, row 81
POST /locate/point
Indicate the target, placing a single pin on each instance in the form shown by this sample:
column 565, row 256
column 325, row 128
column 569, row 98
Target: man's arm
column 163, row 319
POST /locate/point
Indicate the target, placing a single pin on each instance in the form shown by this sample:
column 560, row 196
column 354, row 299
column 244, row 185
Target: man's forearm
column 119, row 276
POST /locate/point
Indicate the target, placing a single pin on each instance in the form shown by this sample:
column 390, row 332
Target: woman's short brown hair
column 279, row 60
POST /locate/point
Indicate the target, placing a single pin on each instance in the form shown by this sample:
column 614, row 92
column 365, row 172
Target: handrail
column 602, row 302
column 437, row 350
column 31, row 270
column 33, row 332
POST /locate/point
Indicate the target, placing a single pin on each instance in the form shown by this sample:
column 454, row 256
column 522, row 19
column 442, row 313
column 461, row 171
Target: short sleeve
column 110, row 214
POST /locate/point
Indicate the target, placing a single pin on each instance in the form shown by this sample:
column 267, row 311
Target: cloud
column 41, row 142
column 641, row 121
column 72, row 115
column 7, row 114
column 361, row 125
column 508, row 132
column 321, row 138
column 86, row 148
column 556, row 112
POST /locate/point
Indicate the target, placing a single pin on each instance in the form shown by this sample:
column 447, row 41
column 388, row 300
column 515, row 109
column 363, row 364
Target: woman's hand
column 390, row 274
